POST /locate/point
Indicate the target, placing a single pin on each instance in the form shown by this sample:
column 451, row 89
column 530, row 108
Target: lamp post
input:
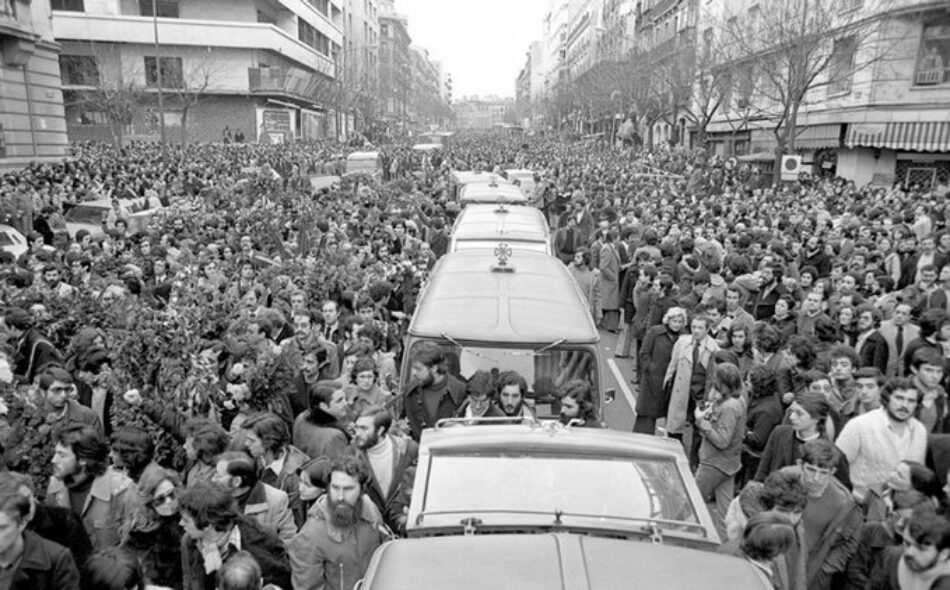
column 158, row 80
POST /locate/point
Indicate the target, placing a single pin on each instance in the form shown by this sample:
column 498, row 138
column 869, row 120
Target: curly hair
column 580, row 391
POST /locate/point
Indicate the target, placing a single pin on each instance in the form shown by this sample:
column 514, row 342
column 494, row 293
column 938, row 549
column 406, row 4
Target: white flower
column 237, row 370
column 6, row 373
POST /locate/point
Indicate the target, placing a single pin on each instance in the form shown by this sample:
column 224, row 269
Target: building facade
column 482, row 112
column 32, row 122
column 260, row 70
column 359, row 67
column 871, row 119
column 395, row 69
column 427, row 108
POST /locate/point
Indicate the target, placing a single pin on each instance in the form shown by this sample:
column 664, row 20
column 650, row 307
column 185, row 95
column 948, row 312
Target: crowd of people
column 212, row 400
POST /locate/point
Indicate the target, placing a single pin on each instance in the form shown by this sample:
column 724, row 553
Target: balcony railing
column 929, row 77
column 292, row 82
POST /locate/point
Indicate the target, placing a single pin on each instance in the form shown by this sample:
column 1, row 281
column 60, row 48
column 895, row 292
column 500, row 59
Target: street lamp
column 158, row 80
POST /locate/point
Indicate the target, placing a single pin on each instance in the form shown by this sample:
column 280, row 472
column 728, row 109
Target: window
column 171, row 72
column 312, row 37
column 8, row 9
column 93, row 118
column 79, row 70
column 70, row 5
column 933, row 60
column 164, row 8
column 841, row 67
column 3, row 143
column 322, row 6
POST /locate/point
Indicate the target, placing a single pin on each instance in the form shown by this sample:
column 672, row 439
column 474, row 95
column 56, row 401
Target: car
column 12, row 241
column 88, row 215
column 551, row 560
column 364, row 163
column 492, row 192
column 507, row 309
column 485, row 226
column 538, row 476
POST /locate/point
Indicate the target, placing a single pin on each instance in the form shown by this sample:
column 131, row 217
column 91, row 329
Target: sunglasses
column 163, row 498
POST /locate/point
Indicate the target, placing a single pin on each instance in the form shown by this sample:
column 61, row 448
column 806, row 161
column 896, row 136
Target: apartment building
column 264, row 70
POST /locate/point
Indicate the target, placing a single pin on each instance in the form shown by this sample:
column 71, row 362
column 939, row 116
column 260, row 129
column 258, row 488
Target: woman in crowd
column 721, row 423
column 655, row 354
column 155, row 533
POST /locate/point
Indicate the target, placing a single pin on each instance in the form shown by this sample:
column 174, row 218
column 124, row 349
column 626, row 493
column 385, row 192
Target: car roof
column 520, row 171
column 467, row 297
column 546, row 561
column 539, row 438
column 495, row 222
column 363, row 155
column 492, row 192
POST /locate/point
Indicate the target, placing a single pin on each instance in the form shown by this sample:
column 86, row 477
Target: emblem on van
column 503, row 252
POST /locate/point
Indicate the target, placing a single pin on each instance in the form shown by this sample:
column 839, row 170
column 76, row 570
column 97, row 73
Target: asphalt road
column 620, row 413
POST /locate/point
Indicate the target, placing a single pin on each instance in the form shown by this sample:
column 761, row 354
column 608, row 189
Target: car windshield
column 600, row 487
column 544, row 368
column 85, row 214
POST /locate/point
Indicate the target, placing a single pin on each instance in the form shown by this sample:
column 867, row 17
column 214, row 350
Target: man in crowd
column 433, row 393
column 333, row 548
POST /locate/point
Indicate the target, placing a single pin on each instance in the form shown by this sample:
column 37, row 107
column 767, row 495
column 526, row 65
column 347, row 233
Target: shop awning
column 819, row 136
column 915, row 136
column 810, row 137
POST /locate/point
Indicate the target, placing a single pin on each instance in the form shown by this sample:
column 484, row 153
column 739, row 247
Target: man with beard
column 831, row 520
column 387, row 457
column 814, row 256
column 512, row 391
column 83, row 481
column 432, row 394
column 762, row 301
column 334, row 547
column 310, row 356
column 53, row 277
column 875, row 443
column 923, row 561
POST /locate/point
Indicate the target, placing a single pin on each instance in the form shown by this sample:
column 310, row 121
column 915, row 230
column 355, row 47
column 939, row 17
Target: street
column 620, row 414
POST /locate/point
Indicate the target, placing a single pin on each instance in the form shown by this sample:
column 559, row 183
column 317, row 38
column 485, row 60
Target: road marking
column 624, row 387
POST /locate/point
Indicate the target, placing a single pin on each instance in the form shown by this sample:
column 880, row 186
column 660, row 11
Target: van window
column 544, row 371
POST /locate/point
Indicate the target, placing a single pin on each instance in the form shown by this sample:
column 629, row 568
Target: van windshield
column 544, row 369
column 619, row 487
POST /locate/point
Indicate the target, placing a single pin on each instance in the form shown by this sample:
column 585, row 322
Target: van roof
column 467, row 299
column 492, row 193
column 509, row 223
column 473, row 176
column 551, row 560
column 363, row 156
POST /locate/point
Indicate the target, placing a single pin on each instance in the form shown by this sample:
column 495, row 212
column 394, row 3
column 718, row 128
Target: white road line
column 624, row 386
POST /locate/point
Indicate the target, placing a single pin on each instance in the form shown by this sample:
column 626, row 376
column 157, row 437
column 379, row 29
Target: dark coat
column 44, row 564
column 654, row 357
column 874, row 352
column 405, row 453
column 762, row 305
column 64, row 527
column 783, row 449
column 33, row 354
column 763, row 415
column 266, row 548
column 414, row 406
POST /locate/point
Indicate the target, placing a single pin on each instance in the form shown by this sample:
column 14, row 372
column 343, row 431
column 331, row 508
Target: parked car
column 89, row 215
column 12, row 241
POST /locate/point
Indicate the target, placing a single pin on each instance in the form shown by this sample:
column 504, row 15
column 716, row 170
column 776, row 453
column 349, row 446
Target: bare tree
column 192, row 86
column 104, row 84
column 787, row 49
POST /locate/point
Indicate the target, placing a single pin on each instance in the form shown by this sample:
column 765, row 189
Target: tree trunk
column 184, row 126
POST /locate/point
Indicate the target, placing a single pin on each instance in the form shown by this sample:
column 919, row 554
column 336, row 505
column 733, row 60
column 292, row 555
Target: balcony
column 109, row 28
column 293, row 82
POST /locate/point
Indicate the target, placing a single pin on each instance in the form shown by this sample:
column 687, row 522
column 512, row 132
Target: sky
column 483, row 44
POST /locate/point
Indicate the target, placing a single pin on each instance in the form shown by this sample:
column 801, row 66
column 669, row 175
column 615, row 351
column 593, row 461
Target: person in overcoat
column 610, row 282
column 655, row 353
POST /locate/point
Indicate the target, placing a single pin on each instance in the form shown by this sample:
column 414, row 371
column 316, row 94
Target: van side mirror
column 610, row 395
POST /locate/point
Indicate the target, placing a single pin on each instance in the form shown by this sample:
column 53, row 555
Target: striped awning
column 819, row 136
column 810, row 137
column 916, row 136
